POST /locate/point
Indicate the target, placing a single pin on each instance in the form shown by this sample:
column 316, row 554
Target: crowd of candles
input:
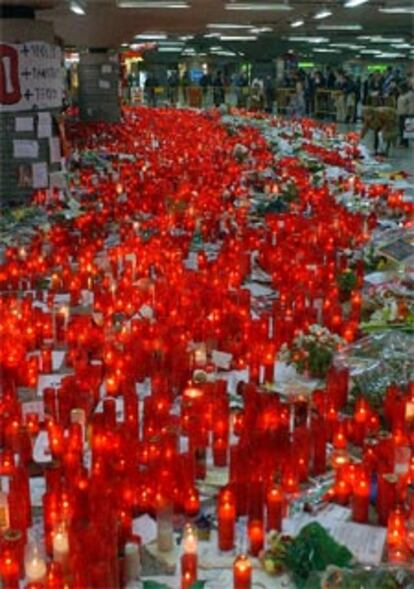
column 112, row 289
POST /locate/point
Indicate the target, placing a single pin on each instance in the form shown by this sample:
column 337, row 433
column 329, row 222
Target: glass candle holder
column 242, row 573
column 34, row 564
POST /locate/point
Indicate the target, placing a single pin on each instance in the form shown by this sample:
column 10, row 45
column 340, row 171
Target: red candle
column 360, row 503
column 256, row 536
column 242, row 573
column 274, row 503
column 396, row 528
column 220, row 449
column 226, row 525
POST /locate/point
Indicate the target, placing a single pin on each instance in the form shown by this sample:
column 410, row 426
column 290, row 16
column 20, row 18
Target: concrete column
column 99, row 79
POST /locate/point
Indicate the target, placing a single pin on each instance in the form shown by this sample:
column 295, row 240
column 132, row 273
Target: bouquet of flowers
column 312, row 352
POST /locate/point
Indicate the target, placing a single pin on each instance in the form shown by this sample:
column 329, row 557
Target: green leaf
column 155, row 585
column 198, row 585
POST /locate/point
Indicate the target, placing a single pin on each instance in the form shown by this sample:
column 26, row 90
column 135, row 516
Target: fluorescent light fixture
column 347, row 46
column 151, row 36
column 169, row 49
column 297, row 23
column 389, row 55
column 398, row 10
column 258, row 30
column 224, row 53
column 309, row 39
column 212, row 36
column 238, row 37
column 186, row 37
column 324, row 13
column 77, row 9
column 171, row 43
column 339, row 27
column 277, row 6
column 325, row 50
column 370, row 51
column 380, row 39
column 223, row 25
column 354, row 3
column 401, row 46
column 164, row 4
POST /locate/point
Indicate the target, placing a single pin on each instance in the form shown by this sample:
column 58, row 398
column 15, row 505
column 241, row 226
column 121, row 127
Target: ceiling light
column 169, row 49
column 354, row 3
column 259, row 6
column 347, row 46
column 309, row 39
column 322, row 14
column 212, row 36
column 77, row 9
column 380, row 39
column 339, row 27
column 370, row 51
column 297, row 23
column 389, row 55
column 171, row 44
column 224, row 25
column 401, row 45
column 258, row 30
column 398, row 10
column 151, row 36
column 325, row 50
column 238, row 37
column 152, row 4
column 186, row 37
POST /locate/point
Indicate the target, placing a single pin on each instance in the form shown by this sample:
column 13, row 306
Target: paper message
column 44, row 125
column 24, row 124
column 25, row 148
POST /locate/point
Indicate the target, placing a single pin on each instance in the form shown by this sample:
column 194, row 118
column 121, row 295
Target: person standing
column 218, row 89
column 269, row 92
column 405, row 109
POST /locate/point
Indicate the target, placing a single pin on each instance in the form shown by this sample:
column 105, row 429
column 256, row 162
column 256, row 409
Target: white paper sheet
column 221, row 359
column 104, row 84
column 145, row 527
column 40, row 175
column 54, row 150
column 24, row 124
column 106, row 69
column 25, row 149
column 44, row 125
column 34, row 407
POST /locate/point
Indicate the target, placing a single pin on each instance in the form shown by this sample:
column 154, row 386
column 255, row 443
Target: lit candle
column 226, row 525
column 132, row 562
column 165, row 537
column 256, row 536
column 189, row 556
column 4, row 507
column 360, row 503
column 274, row 502
column 242, row 573
column 61, row 546
column 34, row 564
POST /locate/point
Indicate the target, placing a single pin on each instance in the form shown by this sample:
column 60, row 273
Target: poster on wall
column 31, row 76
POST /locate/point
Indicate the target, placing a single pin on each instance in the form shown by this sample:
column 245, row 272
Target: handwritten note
column 25, row 149
column 24, row 124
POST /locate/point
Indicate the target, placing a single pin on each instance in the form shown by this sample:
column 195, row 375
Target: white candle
column 61, row 546
column 35, row 570
column 165, row 530
column 34, row 564
column 190, row 540
column 132, row 562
